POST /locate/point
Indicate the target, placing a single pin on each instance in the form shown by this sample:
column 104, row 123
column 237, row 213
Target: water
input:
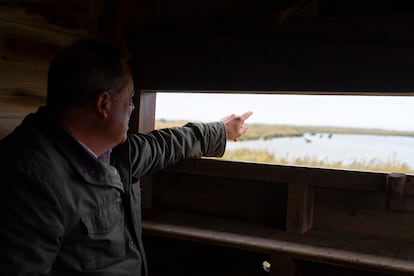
column 337, row 147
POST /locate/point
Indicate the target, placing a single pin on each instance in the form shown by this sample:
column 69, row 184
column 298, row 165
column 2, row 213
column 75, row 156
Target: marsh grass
column 266, row 131
column 263, row 156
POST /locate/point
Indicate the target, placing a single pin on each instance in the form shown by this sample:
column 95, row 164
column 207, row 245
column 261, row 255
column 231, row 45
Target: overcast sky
column 387, row 112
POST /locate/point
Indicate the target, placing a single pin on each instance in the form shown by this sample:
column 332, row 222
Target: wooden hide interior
column 313, row 46
column 211, row 217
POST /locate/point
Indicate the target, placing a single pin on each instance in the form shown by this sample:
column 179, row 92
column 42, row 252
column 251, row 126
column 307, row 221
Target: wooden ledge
column 319, row 246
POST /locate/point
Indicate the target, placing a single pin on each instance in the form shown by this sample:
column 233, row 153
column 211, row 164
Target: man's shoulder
column 26, row 146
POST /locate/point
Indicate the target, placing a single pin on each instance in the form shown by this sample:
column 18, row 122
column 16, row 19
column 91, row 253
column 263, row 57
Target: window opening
column 373, row 133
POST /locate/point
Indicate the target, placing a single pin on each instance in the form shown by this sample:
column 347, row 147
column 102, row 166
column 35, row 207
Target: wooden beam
column 361, row 212
column 258, row 201
column 281, row 265
column 300, row 207
column 321, row 177
column 76, row 17
column 395, row 187
column 210, row 59
column 360, row 252
column 143, row 118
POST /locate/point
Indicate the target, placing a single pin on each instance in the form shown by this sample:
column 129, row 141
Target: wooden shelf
column 318, row 246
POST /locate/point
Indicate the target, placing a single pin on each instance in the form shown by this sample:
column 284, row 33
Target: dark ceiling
column 305, row 45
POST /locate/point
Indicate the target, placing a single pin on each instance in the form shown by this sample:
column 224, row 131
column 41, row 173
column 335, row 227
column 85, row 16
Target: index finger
column 246, row 115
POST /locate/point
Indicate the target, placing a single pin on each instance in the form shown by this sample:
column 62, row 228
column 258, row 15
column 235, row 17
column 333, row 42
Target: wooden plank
column 155, row 220
column 20, row 62
column 340, row 207
column 362, row 213
column 395, row 187
column 19, row 106
column 299, row 207
column 24, row 40
column 26, row 80
column 25, row 55
column 23, row 78
column 143, row 119
column 258, row 201
column 317, row 246
column 320, row 177
column 211, row 60
column 32, row 32
column 76, row 17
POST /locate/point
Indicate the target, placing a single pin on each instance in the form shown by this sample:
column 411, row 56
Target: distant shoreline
column 268, row 131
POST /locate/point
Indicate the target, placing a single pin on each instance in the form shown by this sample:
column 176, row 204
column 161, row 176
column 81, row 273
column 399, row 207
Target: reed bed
column 263, row 156
column 266, row 131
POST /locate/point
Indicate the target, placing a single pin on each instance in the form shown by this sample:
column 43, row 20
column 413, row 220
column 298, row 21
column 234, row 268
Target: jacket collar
column 91, row 169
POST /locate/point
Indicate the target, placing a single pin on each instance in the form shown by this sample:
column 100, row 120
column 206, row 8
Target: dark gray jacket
column 63, row 212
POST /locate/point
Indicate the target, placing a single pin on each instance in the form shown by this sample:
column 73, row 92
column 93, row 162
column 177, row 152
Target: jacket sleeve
column 165, row 147
column 30, row 219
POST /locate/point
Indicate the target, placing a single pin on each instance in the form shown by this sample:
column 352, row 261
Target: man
column 70, row 196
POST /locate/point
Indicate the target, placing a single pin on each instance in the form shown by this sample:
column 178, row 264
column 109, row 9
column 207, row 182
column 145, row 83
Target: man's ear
column 103, row 104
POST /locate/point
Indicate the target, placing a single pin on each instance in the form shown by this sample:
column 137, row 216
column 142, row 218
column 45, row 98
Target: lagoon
column 345, row 148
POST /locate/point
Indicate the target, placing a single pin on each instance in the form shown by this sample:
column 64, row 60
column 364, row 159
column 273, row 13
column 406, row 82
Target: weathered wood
column 32, row 32
column 264, row 62
column 143, row 119
column 258, row 201
column 318, row 246
column 25, row 55
column 320, row 177
column 77, row 17
column 21, row 80
column 395, row 187
column 361, row 213
column 26, row 40
column 331, row 200
column 299, row 207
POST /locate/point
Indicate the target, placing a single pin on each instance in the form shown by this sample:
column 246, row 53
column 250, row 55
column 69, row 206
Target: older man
column 70, row 194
